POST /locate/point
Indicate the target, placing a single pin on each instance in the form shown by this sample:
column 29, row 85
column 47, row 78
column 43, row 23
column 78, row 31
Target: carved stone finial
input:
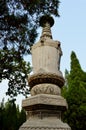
column 45, row 19
column 46, row 22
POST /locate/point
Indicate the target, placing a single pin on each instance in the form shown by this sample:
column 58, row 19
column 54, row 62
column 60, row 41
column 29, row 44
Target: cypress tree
column 76, row 96
column 11, row 117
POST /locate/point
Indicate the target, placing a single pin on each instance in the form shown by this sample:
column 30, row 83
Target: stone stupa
column 45, row 106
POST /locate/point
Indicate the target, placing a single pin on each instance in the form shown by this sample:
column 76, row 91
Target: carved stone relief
column 45, row 89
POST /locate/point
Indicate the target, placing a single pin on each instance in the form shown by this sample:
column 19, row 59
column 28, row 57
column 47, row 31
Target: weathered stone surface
column 46, row 77
column 46, row 55
column 45, row 89
column 45, row 106
column 44, row 113
column 45, row 99
column 44, row 124
column 46, row 42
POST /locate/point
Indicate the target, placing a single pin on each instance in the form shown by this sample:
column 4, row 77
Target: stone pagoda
column 45, row 106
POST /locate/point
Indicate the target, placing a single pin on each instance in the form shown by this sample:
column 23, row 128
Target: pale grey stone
column 46, row 99
column 45, row 106
column 46, row 89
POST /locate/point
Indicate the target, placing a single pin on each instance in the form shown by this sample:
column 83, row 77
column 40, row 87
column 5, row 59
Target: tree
column 2, row 111
column 75, row 95
column 19, row 20
column 21, row 118
column 11, row 117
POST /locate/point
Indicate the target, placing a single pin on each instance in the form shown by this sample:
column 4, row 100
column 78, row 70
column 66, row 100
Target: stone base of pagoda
column 44, row 112
column 47, row 123
column 44, row 100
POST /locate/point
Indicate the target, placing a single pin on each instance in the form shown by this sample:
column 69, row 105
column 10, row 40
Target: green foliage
column 18, row 24
column 16, row 71
column 19, row 20
column 41, row 6
column 11, row 118
column 75, row 95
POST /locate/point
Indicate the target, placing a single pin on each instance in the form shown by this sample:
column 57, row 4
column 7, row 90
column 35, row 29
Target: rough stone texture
column 45, row 106
column 46, row 53
column 46, row 77
column 47, row 42
column 45, row 99
column 46, row 56
column 45, row 89
column 45, row 124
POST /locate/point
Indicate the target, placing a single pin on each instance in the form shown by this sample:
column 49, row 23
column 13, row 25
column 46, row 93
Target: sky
column 70, row 30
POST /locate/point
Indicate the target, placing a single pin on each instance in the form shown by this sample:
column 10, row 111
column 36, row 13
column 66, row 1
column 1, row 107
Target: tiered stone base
column 44, row 112
column 44, row 124
column 34, row 102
